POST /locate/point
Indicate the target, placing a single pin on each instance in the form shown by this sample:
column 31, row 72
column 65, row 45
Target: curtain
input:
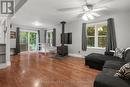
column 17, row 40
column 45, row 33
column 39, row 39
column 54, row 37
column 84, row 37
column 38, row 36
column 111, row 36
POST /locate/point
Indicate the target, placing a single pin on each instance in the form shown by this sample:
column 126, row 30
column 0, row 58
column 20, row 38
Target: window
column 97, row 35
column 91, row 36
column 49, row 37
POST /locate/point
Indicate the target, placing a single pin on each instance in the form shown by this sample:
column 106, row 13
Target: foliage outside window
column 28, row 40
column 23, row 37
column 97, row 35
column 91, row 36
column 33, row 39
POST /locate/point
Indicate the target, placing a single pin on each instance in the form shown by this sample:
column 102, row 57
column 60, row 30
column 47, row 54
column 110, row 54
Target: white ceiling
column 45, row 11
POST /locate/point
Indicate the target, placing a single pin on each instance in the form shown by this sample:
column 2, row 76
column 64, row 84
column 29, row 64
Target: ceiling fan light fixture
column 90, row 16
column 84, row 17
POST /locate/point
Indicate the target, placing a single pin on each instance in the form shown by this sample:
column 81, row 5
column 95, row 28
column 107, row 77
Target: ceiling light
column 36, row 23
column 84, row 17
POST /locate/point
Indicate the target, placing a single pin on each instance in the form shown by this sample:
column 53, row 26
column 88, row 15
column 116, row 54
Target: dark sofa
column 97, row 61
column 109, row 65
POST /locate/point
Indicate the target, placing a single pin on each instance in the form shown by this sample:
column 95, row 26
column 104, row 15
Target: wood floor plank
column 32, row 69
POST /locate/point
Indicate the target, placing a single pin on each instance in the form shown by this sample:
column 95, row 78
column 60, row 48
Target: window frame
column 96, row 25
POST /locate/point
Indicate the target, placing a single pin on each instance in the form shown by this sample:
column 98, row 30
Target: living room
column 65, row 43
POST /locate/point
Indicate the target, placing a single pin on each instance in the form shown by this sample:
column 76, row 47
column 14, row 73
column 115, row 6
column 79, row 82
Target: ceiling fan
column 89, row 10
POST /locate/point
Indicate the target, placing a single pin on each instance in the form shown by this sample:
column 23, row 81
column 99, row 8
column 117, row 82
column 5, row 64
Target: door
column 28, row 41
column 32, row 41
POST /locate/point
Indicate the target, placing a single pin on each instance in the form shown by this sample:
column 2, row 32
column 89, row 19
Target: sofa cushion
column 113, row 64
column 100, row 58
column 124, row 71
column 109, row 71
column 108, row 80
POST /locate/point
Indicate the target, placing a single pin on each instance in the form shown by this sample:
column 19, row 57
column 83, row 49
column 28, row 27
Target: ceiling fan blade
column 95, row 14
column 69, row 9
column 80, row 15
column 102, row 2
column 99, row 9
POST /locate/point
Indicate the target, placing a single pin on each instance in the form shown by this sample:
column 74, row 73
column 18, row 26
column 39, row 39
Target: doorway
column 28, row 40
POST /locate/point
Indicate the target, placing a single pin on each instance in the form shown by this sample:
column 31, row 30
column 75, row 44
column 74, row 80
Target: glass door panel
column 32, row 41
column 23, row 41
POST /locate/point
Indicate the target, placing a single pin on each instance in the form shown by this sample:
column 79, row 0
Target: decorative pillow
column 124, row 71
column 119, row 52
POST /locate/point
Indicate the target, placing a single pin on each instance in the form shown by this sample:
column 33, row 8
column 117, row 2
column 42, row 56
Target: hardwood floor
column 37, row 70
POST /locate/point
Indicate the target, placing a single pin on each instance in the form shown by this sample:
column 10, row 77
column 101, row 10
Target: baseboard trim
column 75, row 55
column 3, row 65
column 8, row 63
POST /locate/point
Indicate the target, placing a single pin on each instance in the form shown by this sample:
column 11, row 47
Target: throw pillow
column 124, row 72
column 119, row 52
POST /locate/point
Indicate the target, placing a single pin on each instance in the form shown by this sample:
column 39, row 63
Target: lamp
column 36, row 23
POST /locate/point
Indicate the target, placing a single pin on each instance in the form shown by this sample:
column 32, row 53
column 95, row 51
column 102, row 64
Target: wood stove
column 62, row 50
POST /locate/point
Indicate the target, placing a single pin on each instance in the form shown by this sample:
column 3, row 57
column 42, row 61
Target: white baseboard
column 75, row 55
column 8, row 63
column 3, row 65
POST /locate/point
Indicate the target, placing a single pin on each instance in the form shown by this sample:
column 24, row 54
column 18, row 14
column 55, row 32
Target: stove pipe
column 62, row 35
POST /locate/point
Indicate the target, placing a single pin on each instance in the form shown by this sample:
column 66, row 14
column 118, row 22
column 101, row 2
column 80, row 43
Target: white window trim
column 96, row 25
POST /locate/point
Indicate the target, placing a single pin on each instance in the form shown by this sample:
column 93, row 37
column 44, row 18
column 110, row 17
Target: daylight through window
column 97, row 35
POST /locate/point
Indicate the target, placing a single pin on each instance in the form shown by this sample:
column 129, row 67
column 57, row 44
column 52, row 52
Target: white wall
column 58, row 34
column 122, row 25
column 2, row 37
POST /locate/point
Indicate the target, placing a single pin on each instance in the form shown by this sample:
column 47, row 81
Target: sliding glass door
column 32, row 41
column 23, row 41
column 28, row 41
